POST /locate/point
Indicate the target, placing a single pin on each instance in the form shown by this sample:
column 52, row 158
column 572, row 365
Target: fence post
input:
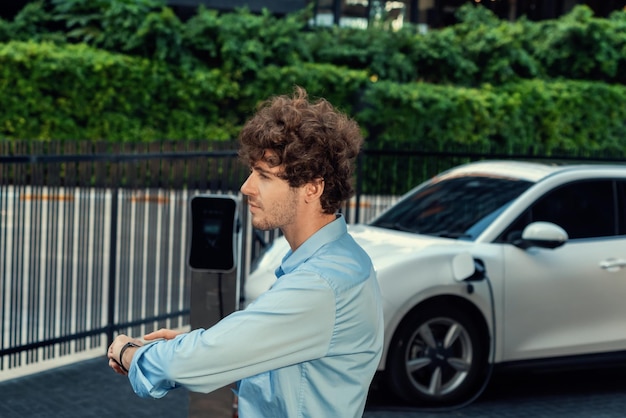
column 359, row 187
column 110, row 327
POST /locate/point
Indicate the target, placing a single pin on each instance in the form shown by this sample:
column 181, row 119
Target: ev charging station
column 214, row 254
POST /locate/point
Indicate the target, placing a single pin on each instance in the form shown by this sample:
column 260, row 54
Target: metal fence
column 94, row 236
column 93, row 241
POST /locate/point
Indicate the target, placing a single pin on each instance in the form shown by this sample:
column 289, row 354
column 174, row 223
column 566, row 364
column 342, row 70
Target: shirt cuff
column 146, row 380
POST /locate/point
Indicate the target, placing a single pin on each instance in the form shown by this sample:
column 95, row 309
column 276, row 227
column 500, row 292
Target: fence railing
column 93, row 241
column 93, row 237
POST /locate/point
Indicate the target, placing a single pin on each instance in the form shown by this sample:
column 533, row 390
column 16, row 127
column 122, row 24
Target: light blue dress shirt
column 308, row 347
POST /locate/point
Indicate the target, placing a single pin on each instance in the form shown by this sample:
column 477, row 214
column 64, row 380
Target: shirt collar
column 324, row 235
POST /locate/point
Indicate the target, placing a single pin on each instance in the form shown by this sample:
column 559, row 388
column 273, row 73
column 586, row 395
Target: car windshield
column 454, row 207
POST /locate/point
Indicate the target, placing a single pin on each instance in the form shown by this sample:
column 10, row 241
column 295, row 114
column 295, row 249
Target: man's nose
column 246, row 186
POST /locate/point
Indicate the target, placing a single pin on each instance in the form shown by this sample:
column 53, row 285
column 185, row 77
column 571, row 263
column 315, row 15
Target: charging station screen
column 213, row 233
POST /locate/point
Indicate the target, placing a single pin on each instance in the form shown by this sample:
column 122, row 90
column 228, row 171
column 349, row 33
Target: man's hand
column 163, row 333
column 121, row 365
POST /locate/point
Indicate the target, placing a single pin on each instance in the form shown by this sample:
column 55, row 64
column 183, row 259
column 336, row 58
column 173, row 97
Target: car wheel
column 437, row 357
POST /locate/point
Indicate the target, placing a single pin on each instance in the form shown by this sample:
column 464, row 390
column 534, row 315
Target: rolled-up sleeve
column 289, row 324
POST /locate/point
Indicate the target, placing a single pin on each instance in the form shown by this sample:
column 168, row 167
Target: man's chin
column 261, row 226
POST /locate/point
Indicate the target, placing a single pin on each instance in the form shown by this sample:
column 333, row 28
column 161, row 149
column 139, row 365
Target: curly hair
column 311, row 140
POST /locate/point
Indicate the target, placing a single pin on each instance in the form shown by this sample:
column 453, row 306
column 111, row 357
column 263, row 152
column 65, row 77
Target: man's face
column 273, row 203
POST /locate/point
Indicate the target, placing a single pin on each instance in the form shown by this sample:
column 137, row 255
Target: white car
column 494, row 263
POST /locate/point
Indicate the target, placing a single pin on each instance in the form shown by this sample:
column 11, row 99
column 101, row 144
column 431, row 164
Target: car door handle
column 613, row 264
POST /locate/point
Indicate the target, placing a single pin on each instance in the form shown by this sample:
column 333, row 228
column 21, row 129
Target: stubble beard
column 276, row 215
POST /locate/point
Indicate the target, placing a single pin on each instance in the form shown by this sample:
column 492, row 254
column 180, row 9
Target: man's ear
column 314, row 189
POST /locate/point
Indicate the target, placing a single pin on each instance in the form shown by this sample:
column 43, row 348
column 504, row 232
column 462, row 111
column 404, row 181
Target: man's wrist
column 126, row 346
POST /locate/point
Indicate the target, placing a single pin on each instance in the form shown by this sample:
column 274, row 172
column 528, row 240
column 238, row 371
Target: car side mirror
column 543, row 235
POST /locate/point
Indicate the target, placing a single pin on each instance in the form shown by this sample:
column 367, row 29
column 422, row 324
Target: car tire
column 438, row 357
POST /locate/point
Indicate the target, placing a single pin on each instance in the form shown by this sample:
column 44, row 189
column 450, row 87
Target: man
column 310, row 345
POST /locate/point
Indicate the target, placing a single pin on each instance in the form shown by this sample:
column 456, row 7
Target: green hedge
column 131, row 71
column 538, row 114
column 480, row 49
column 77, row 92
column 341, row 86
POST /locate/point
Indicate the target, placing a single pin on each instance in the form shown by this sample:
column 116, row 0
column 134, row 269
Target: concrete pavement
column 84, row 390
column 89, row 389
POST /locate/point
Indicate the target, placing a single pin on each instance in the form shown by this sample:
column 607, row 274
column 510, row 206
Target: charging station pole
column 213, row 258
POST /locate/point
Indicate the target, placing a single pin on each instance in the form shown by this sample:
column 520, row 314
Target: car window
column 584, row 209
column 455, row 207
